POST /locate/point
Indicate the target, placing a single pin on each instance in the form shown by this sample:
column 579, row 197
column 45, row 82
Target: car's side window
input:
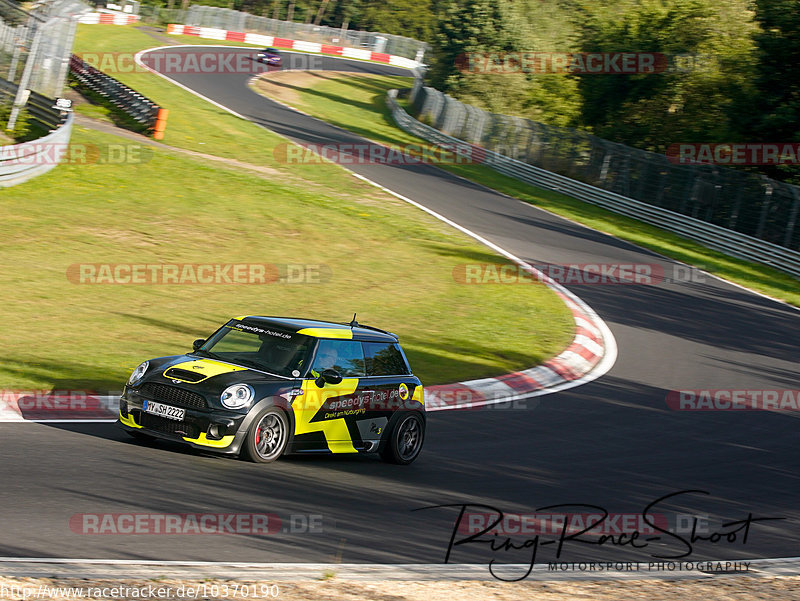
column 384, row 359
column 345, row 356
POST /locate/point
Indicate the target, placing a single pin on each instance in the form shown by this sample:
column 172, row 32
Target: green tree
column 471, row 26
column 344, row 13
column 710, row 46
column 772, row 113
column 409, row 18
column 778, row 78
column 488, row 31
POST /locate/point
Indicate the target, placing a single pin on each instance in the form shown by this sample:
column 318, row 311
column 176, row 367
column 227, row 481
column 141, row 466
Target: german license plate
column 162, row 410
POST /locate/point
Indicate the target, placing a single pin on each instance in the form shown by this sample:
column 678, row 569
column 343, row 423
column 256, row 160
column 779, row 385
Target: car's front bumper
column 211, row 430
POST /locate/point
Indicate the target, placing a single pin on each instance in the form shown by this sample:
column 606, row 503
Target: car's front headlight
column 237, row 396
column 138, row 372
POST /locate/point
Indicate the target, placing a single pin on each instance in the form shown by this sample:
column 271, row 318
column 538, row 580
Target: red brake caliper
column 258, row 435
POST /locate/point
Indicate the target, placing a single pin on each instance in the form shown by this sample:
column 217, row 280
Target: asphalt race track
column 612, row 443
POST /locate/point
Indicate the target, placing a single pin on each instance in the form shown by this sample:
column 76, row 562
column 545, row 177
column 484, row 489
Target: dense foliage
column 733, row 70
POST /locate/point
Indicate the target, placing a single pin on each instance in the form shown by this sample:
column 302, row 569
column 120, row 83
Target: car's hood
column 193, row 371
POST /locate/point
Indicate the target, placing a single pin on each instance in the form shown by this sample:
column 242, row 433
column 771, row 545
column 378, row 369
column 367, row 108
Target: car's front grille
column 169, row 426
column 172, row 395
column 184, row 374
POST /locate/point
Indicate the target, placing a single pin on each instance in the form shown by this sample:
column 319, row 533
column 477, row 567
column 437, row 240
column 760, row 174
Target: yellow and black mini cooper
column 265, row 386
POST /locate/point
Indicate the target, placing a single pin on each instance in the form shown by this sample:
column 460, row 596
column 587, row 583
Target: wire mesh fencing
column 158, row 15
column 741, row 201
column 35, row 48
column 233, row 20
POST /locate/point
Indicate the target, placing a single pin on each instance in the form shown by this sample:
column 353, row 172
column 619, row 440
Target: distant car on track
column 269, row 56
column 265, row 386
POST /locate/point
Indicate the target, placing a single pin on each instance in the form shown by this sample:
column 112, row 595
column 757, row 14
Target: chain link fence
column 233, row 20
column 35, row 48
column 740, row 201
column 157, row 15
column 15, row 28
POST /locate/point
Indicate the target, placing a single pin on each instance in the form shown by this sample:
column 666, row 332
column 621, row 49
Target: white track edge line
column 601, row 368
column 667, row 258
column 528, row 204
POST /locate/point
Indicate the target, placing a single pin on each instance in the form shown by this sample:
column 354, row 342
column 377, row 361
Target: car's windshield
column 269, row 349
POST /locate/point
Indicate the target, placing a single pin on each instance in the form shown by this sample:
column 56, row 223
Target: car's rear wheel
column 267, row 440
column 405, row 440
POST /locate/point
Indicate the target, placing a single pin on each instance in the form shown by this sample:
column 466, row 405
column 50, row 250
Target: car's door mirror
column 198, row 343
column 329, row 376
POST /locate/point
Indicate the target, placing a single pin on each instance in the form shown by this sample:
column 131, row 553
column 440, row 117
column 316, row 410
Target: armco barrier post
column 161, row 124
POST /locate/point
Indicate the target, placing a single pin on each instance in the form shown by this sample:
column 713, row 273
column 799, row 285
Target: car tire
column 404, row 442
column 268, row 436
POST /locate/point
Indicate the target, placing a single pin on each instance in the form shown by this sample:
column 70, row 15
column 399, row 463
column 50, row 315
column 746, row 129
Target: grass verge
column 388, row 261
column 357, row 103
column 193, row 123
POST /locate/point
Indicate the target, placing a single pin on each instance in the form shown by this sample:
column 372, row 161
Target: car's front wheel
column 405, row 440
column 267, row 439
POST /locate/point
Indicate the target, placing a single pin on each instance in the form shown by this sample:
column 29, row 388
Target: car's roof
column 320, row 329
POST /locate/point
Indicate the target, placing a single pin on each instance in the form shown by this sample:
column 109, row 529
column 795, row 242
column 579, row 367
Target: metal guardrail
column 41, row 108
column 713, row 236
column 140, row 108
column 741, row 200
column 21, row 162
